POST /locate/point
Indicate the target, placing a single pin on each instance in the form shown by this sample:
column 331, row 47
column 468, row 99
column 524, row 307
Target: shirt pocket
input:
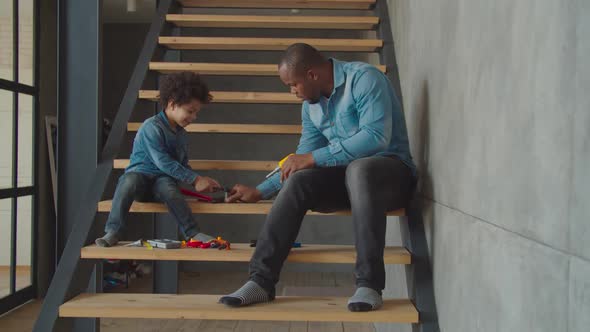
column 348, row 122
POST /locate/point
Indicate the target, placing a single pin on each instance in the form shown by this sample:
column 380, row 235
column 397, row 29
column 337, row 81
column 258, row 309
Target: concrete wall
column 496, row 99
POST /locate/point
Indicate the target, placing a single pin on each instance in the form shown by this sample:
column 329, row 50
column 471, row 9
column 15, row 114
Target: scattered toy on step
column 214, row 197
column 295, row 244
column 218, row 243
column 221, row 243
column 165, row 243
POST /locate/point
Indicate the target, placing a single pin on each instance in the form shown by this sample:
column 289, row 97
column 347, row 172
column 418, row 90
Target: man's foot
column 250, row 293
column 202, row 237
column 108, row 240
column 365, row 299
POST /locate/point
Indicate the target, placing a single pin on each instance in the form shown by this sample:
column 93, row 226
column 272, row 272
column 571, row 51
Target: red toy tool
column 215, row 197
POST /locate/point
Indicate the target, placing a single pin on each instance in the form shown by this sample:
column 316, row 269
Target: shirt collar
column 164, row 119
column 338, row 73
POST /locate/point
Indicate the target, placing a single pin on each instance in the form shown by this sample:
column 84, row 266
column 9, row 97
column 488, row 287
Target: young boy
column 159, row 160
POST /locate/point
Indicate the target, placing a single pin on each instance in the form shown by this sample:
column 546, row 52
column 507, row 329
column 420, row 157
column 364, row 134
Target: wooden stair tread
column 226, row 165
column 233, row 128
column 242, row 252
column 222, row 68
column 192, row 306
column 219, row 208
column 273, row 22
column 315, row 4
column 238, row 97
column 268, row 44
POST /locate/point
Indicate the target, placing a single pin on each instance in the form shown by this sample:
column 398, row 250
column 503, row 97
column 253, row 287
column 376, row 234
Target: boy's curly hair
column 181, row 88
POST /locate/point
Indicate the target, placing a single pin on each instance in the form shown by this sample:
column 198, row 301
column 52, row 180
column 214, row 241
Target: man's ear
column 311, row 75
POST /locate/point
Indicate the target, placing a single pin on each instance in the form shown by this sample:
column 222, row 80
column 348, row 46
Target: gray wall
column 496, row 99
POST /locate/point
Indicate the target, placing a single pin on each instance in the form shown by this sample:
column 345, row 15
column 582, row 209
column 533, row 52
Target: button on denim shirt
column 361, row 118
column 158, row 149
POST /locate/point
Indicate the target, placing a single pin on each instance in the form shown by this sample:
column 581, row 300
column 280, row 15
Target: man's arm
column 311, row 139
column 374, row 101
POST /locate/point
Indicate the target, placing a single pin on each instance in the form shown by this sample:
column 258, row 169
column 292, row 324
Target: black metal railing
column 70, row 265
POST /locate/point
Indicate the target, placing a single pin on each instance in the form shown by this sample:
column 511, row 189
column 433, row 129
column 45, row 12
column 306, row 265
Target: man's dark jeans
column 369, row 187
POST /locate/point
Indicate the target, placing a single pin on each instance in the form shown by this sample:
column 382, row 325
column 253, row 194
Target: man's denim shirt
column 160, row 150
column 362, row 118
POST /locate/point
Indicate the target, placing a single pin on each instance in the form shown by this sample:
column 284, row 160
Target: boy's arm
column 154, row 142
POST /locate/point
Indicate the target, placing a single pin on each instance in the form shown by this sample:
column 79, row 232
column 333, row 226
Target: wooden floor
column 292, row 283
column 23, row 279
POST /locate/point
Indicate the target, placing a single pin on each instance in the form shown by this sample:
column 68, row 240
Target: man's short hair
column 181, row 88
column 300, row 57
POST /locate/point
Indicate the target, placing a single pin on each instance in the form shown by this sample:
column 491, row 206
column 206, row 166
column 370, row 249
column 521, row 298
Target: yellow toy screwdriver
column 274, row 171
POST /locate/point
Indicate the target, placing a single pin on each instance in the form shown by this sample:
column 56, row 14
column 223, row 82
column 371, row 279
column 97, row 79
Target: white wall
column 25, row 130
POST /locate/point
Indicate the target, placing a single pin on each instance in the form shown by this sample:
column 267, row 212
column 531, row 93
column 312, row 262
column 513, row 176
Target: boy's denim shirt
column 362, row 118
column 160, row 150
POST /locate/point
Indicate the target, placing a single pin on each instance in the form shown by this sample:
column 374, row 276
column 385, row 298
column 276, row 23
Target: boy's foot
column 250, row 293
column 365, row 299
column 108, row 240
column 202, row 237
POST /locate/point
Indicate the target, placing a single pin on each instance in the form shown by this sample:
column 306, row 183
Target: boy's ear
column 170, row 105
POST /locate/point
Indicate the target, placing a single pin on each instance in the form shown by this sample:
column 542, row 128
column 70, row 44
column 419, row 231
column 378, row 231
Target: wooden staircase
column 290, row 308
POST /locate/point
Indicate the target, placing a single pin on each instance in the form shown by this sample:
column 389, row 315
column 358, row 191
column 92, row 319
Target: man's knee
column 298, row 179
column 361, row 172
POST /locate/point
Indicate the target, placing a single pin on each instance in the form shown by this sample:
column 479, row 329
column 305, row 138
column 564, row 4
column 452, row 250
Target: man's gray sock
column 108, row 240
column 365, row 299
column 203, row 237
column 250, row 293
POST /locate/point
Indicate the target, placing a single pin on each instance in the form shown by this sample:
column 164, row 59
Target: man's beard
column 313, row 100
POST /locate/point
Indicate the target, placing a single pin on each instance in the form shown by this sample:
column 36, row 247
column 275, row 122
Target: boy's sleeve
column 154, row 142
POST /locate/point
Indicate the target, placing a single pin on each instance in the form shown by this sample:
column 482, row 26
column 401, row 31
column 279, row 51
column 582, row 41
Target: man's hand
column 206, row 184
column 241, row 193
column 295, row 163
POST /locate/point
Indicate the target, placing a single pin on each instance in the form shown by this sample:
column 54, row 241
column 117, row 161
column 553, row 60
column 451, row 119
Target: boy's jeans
column 142, row 187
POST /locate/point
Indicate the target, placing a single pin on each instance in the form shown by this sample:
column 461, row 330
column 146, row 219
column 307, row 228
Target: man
column 353, row 153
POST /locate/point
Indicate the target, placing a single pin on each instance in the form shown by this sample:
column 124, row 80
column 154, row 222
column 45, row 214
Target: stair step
column 225, row 165
column 238, row 97
column 315, row 4
column 269, row 44
column 242, row 252
column 227, row 128
column 274, row 22
column 245, row 69
column 192, row 306
column 219, row 208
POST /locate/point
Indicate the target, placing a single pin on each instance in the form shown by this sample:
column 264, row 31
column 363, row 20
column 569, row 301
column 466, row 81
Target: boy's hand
column 206, row 184
column 243, row 194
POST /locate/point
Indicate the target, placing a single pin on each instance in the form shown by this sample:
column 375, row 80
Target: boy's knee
column 129, row 181
column 169, row 193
